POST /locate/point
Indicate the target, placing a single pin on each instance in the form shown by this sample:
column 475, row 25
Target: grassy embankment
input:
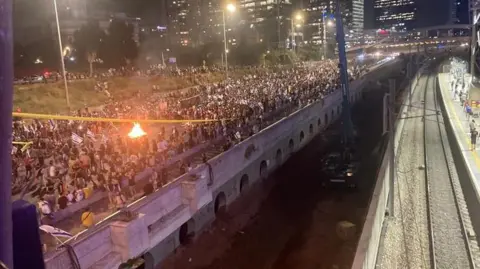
column 50, row 98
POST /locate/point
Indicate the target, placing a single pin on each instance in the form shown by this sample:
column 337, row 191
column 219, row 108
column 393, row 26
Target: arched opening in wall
column 302, row 136
column 326, row 119
column 186, row 232
column 243, row 183
column 333, row 114
column 220, row 205
column 278, row 157
column 263, row 170
column 319, row 122
column 310, row 129
column 291, row 145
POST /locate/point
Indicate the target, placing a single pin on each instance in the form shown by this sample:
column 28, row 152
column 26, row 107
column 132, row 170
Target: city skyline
column 193, row 22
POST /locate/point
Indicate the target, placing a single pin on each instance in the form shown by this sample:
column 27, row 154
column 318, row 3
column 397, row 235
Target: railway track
column 446, row 210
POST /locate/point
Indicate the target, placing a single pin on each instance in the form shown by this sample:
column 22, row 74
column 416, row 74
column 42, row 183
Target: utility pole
column 347, row 121
column 6, row 100
column 391, row 144
column 324, row 41
column 473, row 46
column 410, row 86
column 279, row 36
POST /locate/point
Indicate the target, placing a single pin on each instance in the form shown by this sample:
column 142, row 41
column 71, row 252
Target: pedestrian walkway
column 460, row 122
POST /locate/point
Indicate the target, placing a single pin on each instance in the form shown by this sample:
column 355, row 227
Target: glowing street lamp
column 298, row 18
column 326, row 23
column 230, row 8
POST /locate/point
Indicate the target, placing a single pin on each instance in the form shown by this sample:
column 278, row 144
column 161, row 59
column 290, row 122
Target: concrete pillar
column 130, row 238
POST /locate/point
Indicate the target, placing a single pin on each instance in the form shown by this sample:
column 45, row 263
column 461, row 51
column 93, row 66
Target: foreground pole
column 6, row 99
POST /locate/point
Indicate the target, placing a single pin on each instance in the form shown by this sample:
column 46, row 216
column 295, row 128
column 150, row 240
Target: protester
column 71, row 161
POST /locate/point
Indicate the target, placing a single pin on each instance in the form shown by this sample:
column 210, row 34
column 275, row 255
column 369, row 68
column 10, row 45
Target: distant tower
column 397, row 15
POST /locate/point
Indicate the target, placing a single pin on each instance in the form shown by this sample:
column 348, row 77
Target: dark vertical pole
column 473, row 45
column 410, row 86
column 6, row 99
column 347, row 121
column 391, row 138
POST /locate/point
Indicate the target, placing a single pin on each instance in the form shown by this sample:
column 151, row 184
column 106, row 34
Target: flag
column 77, row 139
column 55, row 231
column 39, row 123
column 91, row 135
column 53, row 126
column 26, row 146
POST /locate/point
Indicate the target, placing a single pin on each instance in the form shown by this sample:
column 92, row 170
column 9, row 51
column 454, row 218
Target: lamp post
column 326, row 24
column 64, row 72
column 230, row 8
column 6, row 95
column 297, row 17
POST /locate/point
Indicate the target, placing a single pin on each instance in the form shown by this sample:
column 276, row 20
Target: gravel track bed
column 449, row 246
column 406, row 243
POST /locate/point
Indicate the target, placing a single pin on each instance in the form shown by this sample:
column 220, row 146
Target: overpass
column 452, row 35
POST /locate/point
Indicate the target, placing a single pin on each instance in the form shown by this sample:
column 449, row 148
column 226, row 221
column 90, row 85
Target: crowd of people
column 65, row 162
column 153, row 70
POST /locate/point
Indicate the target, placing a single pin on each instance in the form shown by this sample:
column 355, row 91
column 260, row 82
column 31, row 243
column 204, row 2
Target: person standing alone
column 473, row 138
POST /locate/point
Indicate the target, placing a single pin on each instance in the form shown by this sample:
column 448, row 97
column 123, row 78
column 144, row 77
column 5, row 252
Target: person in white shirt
column 45, row 208
column 79, row 195
column 52, row 170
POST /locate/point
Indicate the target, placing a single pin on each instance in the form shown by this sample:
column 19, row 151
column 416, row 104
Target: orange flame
column 136, row 131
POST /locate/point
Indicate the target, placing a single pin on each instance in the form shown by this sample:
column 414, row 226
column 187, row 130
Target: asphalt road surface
column 294, row 226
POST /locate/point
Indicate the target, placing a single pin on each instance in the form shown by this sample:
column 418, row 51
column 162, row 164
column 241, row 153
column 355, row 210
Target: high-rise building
column 397, row 15
column 459, row 12
column 195, row 22
column 266, row 20
column 177, row 23
column 320, row 16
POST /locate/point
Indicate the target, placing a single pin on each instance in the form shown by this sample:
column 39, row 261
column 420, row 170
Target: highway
column 101, row 208
column 295, row 225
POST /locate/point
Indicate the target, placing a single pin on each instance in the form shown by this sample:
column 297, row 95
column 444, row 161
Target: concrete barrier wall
column 367, row 248
column 192, row 199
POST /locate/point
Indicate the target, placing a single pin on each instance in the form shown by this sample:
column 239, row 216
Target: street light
column 61, row 54
column 230, row 8
column 326, row 23
column 299, row 18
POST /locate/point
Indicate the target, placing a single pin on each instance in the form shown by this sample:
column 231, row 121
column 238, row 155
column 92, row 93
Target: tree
column 87, row 42
column 211, row 52
column 119, row 46
column 91, row 57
